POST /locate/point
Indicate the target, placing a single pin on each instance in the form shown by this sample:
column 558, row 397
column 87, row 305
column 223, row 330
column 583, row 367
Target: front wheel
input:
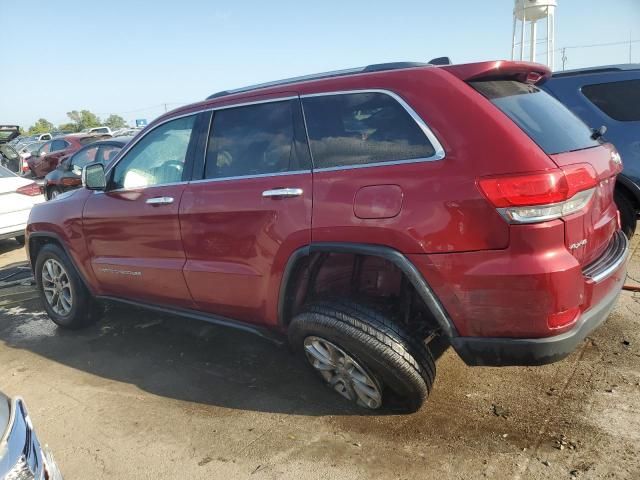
column 66, row 299
column 363, row 355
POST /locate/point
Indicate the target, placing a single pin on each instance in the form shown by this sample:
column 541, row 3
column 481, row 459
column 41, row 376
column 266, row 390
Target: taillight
column 541, row 196
column 32, row 190
column 71, row 182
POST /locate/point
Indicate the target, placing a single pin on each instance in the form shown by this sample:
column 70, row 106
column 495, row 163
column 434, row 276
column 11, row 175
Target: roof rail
column 378, row 67
column 602, row 69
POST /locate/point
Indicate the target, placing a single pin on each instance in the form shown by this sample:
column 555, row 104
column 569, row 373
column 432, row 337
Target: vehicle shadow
column 178, row 358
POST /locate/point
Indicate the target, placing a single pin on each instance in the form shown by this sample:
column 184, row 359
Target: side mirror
column 93, row 177
column 42, row 154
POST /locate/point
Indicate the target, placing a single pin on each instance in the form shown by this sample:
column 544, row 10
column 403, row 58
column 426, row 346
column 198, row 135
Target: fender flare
column 59, row 242
column 398, row 259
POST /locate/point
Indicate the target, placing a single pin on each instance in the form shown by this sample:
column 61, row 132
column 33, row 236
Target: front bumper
column 606, row 278
column 21, row 456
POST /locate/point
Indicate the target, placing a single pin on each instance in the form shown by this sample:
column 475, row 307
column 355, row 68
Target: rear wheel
column 364, row 356
column 628, row 214
column 66, row 299
column 53, row 192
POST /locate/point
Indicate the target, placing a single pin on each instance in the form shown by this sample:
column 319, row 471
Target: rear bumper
column 500, row 352
column 605, row 278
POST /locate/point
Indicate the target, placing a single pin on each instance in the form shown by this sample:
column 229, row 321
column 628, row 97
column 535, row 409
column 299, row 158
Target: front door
column 132, row 229
column 250, row 209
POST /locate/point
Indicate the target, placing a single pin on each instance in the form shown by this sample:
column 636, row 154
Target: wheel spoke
column 343, row 373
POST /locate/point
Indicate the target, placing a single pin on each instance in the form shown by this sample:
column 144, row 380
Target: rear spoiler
column 525, row 72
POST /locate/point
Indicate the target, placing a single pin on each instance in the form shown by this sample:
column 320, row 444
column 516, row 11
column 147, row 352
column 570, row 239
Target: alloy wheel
column 343, row 373
column 57, row 287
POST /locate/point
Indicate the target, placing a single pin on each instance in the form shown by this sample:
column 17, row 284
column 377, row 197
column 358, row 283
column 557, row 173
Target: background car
column 67, row 176
column 9, row 158
column 21, row 455
column 8, row 133
column 101, row 130
column 17, row 196
column 54, row 151
column 609, row 96
column 25, row 152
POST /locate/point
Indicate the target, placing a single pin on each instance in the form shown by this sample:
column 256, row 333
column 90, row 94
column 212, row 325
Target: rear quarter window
column 362, row 128
column 547, row 121
column 618, row 100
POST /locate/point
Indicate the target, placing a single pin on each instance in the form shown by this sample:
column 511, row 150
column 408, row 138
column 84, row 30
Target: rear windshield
column 547, row 121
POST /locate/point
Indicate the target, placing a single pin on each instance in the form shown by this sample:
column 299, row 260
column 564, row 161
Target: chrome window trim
column 439, row 152
column 257, row 175
column 139, row 138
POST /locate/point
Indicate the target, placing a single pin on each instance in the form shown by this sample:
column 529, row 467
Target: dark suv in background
column 609, row 96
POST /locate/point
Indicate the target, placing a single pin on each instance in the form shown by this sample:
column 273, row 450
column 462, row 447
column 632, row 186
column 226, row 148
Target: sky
column 132, row 57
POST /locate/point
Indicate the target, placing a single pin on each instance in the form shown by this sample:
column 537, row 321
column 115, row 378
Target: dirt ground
column 142, row 396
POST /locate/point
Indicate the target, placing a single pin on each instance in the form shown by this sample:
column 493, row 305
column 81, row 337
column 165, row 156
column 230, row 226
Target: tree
column 67, row 127
column 84, row 119
column 115, row 121
column 41, row 126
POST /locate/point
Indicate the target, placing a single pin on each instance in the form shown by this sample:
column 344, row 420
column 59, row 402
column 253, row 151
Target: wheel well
column 366, row 278
column 626, row 191
column 36, row 243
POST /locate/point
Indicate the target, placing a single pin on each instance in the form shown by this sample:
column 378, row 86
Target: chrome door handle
column 160, row 201
column 282, row 192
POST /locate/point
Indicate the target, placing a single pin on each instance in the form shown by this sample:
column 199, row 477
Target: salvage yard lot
column 146, row 396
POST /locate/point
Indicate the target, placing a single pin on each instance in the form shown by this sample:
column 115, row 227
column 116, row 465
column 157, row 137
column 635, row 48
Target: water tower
column 526, row 15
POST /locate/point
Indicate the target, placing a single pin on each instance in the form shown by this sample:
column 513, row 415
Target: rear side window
column 252, row 140
column 618, row 100
column 362, row 128
column 57, row 145
column 547, row 121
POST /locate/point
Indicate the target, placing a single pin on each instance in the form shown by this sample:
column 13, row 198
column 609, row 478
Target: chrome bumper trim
column 612, row 258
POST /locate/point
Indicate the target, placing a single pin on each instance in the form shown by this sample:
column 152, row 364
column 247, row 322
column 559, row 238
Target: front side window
column 543, row 118
column 158, row 158
column 46, row 148
column 84, row 157
column 618, row 100
column 107, row 153
column 252, row 140
column 362, row 128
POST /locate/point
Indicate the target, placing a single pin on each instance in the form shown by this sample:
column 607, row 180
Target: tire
column 53, row 192
column 401, row 366
column 20, row 240
column 83, row 309
column 628, row 213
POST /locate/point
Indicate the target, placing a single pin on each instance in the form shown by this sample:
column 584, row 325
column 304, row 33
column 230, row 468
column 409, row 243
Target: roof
column 625, row 67
column 379, row 67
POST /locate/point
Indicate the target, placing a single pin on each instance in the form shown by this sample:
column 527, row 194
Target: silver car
column 21, row 456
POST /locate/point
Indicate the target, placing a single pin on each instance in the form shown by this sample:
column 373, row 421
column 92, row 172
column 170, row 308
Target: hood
column 8, row 132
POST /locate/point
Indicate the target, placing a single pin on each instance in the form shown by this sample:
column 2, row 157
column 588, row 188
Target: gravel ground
column 145, row 396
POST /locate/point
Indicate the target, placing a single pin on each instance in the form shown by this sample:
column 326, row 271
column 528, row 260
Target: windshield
column 547, row 121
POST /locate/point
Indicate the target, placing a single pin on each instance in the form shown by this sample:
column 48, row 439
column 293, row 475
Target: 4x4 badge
column 579, row 244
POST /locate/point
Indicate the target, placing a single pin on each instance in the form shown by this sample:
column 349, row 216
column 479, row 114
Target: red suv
column 49, row 156
column 374, row 215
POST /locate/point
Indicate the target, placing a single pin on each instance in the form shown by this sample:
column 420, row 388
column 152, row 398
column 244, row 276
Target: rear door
column 132, row 229
column 248, row 210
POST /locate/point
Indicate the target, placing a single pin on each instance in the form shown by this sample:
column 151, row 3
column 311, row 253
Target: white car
column 17, row 196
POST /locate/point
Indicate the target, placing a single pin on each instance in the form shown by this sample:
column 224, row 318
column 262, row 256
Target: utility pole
column 630, row 42
column 165, row 108
column 564, row 57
